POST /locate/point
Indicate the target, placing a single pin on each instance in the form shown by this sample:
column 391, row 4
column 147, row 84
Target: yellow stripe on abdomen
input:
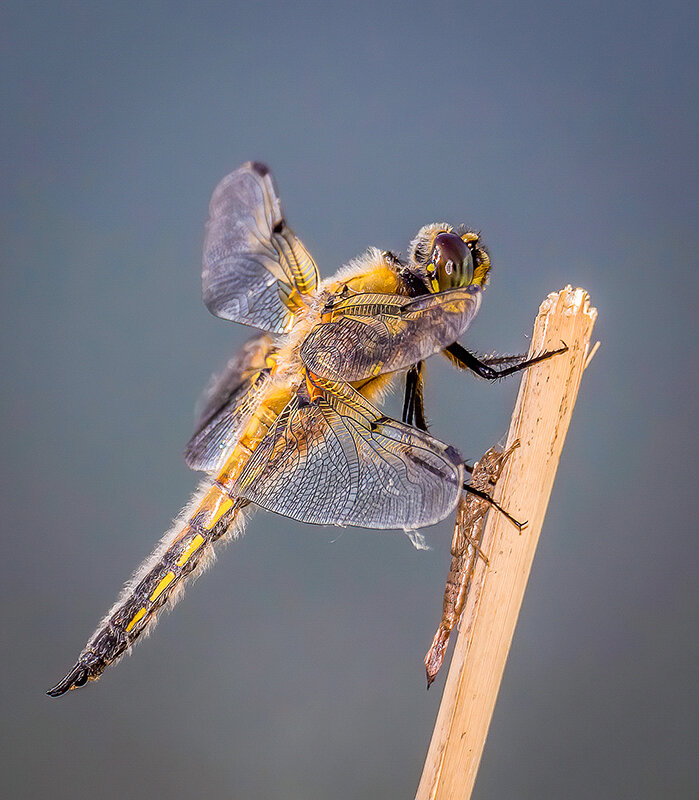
column 195, row 544
column 162, row 586
column 136, row 618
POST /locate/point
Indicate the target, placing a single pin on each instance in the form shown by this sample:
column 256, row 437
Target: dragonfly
column 291, row 424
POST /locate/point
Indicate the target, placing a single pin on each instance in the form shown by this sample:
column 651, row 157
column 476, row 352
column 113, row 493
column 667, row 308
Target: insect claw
column 519, row 525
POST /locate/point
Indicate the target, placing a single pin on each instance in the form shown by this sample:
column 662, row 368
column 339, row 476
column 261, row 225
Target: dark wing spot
column 260, row 168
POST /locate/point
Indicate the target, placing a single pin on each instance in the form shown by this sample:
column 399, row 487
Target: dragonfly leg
column 488, row 499
column 414, row 402
column 464, row 359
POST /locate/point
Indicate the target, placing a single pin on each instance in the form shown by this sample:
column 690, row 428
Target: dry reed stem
column 540, row 422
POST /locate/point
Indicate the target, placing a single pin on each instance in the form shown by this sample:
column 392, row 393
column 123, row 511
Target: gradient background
column 294, row 668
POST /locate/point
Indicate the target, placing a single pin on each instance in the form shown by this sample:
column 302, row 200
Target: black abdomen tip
column 78, row 676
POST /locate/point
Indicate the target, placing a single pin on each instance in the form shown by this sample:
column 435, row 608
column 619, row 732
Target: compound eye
column 452, row 260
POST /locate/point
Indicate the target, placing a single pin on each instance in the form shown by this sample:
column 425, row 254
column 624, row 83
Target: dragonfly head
column 446, row 259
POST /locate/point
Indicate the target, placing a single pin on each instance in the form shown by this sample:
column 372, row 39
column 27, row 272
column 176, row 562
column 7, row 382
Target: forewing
column 369, row 334
column 226, row 405
column 255, row 270
column 331, row 462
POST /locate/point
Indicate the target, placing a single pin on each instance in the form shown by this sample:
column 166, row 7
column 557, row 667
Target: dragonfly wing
column 255, row 270
column 226, row 404
column 337, row 461
column 369, row 334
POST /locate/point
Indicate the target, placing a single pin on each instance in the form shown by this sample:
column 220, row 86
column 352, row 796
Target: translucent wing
column 337, row 461
column 226, row 405
column 255, row 270
column 368, row 334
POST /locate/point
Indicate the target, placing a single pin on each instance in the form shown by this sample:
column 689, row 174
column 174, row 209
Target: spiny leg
column 469, row 489
column 181, row 554
column 484, row 476
column 414, row 402
column 464, row 359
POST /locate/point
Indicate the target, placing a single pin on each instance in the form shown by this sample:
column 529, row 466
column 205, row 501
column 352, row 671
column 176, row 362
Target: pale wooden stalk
column 540, row 421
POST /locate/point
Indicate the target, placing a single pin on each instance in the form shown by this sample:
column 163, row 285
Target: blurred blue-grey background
column 293, row 669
